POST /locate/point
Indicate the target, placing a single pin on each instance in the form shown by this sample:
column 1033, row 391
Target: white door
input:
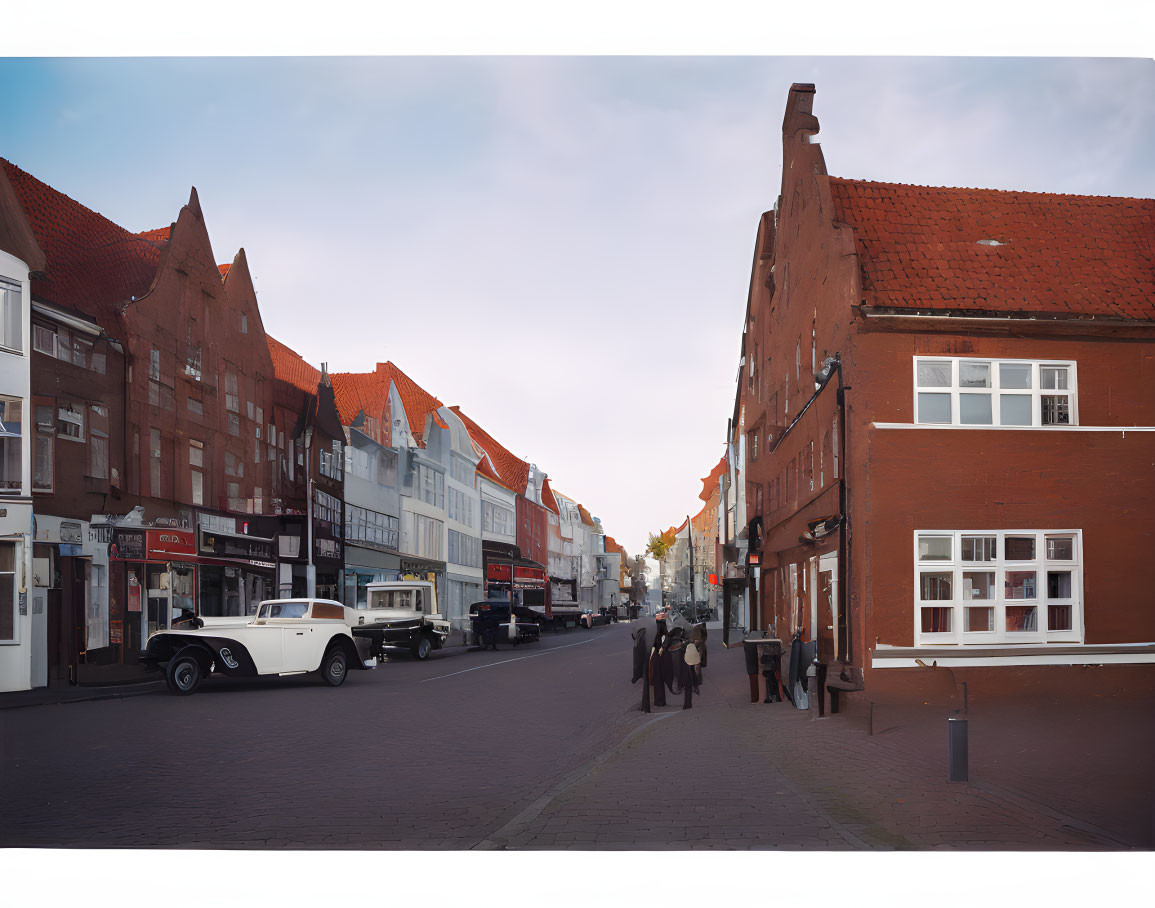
column 302, row 648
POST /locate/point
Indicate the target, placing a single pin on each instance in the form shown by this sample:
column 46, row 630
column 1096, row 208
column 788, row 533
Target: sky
column 559, row 245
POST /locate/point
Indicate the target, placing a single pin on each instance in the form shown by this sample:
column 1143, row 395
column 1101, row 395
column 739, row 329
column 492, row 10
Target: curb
column 115, row 693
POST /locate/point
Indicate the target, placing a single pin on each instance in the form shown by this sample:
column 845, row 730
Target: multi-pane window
column 332, row 462
column 430, row 486
column 464, row 550
column 11, row 316
column 155, row 475
column 496, row 519
column 980, row 392
column 70, row 421
column 1002, row 586
column 460, row 507
column 11, row 447
column 44, row 455
column 232, row 395
column 423, row 536
column 461, row 469
column 98, row 441
column 69, row 346
column 363, row 525
column 326, row 507
column 196, row 461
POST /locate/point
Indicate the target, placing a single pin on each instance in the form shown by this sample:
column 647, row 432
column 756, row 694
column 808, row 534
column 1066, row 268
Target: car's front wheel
column 183, row 674
column 422, row 648
column 334, row 667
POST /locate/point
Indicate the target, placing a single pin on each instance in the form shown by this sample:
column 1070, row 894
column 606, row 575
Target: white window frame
column 1036, row 391
column 1000, row 636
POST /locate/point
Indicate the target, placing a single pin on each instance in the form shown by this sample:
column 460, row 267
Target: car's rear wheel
column 422, row 648
column 183, row 674
column 334, row 667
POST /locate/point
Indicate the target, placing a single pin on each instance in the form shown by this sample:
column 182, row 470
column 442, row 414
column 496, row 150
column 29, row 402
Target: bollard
column 957, row 745
column 870, row 721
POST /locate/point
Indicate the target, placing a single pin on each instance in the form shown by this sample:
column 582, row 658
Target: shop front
column 364, row 566
column 237, row 570
column 522, row 583
column 153, row 579
column 423, row 569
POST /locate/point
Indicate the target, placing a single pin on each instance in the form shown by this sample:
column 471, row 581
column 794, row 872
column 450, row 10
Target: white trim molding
column 942, row 427
column 886, row 656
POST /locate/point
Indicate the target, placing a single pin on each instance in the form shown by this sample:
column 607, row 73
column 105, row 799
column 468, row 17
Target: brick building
column 948, row 402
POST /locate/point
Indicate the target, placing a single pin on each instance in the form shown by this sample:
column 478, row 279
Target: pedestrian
column 694, row 664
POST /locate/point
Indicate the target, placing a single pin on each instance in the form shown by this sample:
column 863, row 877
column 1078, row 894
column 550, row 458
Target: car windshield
column 285, row 610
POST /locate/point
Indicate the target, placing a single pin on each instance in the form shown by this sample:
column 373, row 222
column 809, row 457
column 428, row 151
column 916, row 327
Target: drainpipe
column 310, row 568
column 844, row 530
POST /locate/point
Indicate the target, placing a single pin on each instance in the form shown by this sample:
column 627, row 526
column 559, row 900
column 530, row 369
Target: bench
column 837, row 686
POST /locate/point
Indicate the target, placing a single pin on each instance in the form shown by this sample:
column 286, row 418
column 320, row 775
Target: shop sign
column 133, row 594
column 499, row 571
column 525, row 578
column 116, row 632
column 163, row 544
column 127, row 545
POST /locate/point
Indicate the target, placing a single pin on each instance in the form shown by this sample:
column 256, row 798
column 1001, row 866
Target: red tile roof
column 1065, row 255
column 158, row 236
column 224, row 270
column 92, row 264
column 512, row 472
column 710, row 482
column 587, row 519
column 369, row 391
column 547, row 497
column 290, row 367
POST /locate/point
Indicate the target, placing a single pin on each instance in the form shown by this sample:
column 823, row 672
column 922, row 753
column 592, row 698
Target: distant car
column 284, row 637
column 494, row 621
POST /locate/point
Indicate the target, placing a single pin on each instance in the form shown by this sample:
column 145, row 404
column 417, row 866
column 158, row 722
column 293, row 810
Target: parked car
column 284, row 637
column 495, row 621
column 402, row 613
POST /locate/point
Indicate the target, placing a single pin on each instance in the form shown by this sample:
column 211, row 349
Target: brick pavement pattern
column 539, row 747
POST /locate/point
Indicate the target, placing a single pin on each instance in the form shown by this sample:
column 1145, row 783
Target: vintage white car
column 284, row 637
column 402, row 613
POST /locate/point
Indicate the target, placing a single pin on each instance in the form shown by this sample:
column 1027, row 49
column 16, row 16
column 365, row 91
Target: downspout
column 844, row 533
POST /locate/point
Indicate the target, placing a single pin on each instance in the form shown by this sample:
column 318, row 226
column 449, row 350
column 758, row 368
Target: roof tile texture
column 92, row 264
column 289, row 366
column 512, row 471
column 1064, row 255
column 369, row 391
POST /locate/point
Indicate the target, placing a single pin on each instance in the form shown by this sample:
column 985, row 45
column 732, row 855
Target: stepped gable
column 512, row 472
column 290, row 367
column 92, row 264
column 1059, row 256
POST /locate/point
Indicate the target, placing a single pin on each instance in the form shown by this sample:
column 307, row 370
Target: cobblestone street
column 535, row 747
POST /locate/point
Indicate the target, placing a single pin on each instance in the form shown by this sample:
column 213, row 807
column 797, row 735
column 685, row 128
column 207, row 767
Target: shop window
column 11, row 446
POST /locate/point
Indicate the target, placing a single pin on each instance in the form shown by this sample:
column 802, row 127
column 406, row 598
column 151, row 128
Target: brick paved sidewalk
column 731, row 774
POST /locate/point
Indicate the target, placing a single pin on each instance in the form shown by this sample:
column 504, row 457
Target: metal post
column 690, row 541
column 957, row 744
column 870, row 721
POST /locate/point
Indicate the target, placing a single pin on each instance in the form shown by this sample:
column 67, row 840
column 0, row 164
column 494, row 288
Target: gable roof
column 1065, row 256
column 369, row 391
column 547, row 498
column 290, row 367
column 91, row 263
column 710, row 481
column 511, row 471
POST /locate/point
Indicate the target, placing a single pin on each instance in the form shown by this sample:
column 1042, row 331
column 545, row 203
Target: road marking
column 552, row 649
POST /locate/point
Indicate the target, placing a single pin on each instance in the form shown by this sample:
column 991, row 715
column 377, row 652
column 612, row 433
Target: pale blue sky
column 559, row 245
